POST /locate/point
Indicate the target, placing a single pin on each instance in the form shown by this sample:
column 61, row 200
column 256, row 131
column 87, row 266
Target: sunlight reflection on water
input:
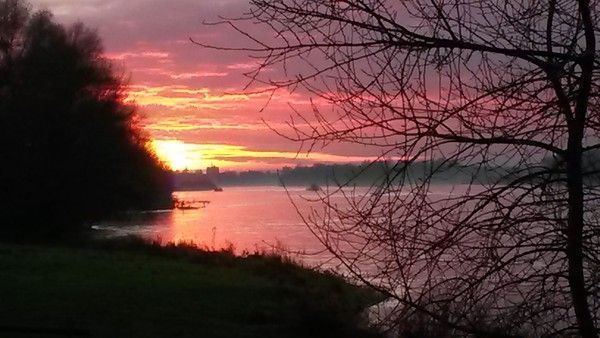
column 249, row 219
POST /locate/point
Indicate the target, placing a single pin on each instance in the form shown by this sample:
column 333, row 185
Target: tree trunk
column 575, row 225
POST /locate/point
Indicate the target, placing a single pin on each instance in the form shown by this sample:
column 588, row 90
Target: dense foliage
column 72, row 150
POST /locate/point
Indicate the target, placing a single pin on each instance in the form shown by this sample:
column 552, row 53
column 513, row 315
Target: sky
column 192, row 99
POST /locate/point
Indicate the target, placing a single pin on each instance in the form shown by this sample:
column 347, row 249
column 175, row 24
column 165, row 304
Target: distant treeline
column 193, row 181
column 364, row 174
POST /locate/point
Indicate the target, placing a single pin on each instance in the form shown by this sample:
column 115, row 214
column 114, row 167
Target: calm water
column 245, row 218
column 248, row 218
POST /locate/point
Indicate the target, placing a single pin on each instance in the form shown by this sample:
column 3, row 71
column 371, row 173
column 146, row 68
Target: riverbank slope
column 141, row 290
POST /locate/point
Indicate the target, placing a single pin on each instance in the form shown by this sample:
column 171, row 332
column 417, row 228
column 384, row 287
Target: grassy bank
column 130, row 289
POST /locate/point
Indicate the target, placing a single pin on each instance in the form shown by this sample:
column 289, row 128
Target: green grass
column 140, row 290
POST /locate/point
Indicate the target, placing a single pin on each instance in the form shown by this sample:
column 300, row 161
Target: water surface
column 246, row 218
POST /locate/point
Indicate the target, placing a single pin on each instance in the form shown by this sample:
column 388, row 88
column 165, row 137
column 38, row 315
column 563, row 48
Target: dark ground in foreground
column 140, row 290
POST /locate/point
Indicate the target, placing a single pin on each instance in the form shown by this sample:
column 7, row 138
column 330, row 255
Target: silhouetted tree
column 13, row 16
column 72, row 150
column 484, row 83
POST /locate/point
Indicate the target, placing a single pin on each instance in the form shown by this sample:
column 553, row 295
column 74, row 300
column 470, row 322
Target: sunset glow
column 192, row 99
column 177, row 155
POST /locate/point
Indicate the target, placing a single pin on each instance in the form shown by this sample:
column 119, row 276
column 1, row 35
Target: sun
column 174, row 153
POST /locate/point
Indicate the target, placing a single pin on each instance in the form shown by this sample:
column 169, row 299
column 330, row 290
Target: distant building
column 212, row 172
column 188, row 171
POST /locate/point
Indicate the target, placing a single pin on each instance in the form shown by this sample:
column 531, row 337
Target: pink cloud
column 197, row 75
column 186, row 92
column 146, row 54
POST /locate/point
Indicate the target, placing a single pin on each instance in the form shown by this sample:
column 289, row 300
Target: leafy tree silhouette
column 73, row 151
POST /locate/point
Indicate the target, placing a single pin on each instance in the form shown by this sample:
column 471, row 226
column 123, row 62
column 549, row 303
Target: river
column 248, row 219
